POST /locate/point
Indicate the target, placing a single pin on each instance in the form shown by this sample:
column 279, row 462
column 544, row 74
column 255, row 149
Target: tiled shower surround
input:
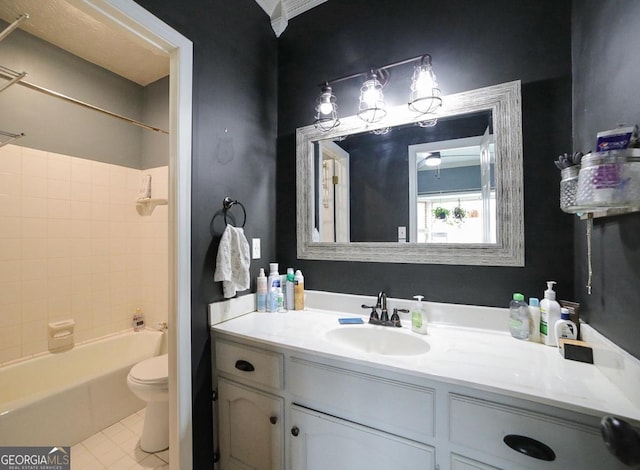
column 73, row 246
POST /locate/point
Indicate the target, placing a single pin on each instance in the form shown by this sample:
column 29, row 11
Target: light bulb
column 325, row 107
column 371, row 96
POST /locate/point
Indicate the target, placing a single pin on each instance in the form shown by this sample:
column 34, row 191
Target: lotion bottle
column 418, row 316
column 534, row 325
column 262, row 291
column 565, row 328
column 549, row 315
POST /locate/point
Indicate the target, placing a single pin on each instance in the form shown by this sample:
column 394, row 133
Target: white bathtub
column 62, row 398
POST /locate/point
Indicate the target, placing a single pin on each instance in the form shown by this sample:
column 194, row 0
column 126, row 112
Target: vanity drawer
column 252, row 365
column 484, row 425
column 388, row 405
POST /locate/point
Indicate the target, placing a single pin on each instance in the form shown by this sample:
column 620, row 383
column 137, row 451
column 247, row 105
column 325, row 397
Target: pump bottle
column 418, row 316
column 549, row 315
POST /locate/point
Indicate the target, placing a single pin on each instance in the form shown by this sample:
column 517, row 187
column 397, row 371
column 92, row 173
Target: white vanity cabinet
column 250, row 412
column 298, row 410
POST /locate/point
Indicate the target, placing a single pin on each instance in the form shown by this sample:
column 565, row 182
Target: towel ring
column 227, row 203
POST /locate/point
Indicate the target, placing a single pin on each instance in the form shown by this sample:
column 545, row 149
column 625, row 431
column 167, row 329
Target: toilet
column 148, row 380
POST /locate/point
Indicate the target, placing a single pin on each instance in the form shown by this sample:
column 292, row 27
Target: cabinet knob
column 244, row 366
column 295, row 431
column 273, row 419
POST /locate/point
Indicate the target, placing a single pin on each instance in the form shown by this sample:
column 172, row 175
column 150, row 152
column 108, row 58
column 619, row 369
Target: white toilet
column 148, row 380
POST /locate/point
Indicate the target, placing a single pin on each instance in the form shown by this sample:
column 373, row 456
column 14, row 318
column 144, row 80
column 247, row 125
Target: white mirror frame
column 504, row 101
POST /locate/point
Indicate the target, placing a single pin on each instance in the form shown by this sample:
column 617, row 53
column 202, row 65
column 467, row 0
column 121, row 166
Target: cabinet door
column 251, row 428
column 321, row 442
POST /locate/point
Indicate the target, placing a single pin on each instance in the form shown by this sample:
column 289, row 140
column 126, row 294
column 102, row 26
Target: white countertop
column 484, row 359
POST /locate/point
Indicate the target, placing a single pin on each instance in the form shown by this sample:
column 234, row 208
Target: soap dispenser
column 418, row 316
column 549, row 315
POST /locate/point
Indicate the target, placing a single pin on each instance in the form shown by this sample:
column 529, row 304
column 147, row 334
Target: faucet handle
column 395, row 318
column 374, row 314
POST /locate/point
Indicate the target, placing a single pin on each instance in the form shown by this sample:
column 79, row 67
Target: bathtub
column 62, row 398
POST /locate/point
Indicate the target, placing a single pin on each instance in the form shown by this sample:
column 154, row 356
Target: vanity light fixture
column 425, row 94
column 326, row 117
column 424, row 98
column 372, row 107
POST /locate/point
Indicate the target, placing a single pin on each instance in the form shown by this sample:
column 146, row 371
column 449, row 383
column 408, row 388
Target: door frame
column 131, row 17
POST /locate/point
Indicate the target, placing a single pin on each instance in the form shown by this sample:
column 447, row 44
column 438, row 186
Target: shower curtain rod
column 11, row 137
column 55, row 94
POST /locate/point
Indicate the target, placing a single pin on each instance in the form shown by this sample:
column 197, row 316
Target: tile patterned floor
column 117, row 448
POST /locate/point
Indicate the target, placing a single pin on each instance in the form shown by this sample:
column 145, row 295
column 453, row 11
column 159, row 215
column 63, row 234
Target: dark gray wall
column 605, row 93
column 234, row 89
column 473, row 44
column 155, row 112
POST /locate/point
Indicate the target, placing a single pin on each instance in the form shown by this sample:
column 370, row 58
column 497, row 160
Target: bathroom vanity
column 294, row 394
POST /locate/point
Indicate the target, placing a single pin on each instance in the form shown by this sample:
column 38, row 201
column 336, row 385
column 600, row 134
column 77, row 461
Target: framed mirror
column 446, row 189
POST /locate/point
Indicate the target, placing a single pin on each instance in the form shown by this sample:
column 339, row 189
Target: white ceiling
column 66, row 24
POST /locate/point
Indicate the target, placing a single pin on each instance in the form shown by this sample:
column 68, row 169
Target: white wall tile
column 34, row 207
column 58, row 189
column 10, row 159
column 34, row 186
column 80, row 170
column 34, row 162
column 58, row 167
column 72, row 245
column 10, row 249
column 10, row 183
column 10, row 205
column 10, row 293
column 10, row 227
column 10, row 270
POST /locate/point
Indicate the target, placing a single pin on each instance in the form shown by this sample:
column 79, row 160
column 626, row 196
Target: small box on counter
column 575, row 350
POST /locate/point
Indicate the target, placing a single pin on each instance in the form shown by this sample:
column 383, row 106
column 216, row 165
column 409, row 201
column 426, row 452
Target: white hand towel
column 232, row 263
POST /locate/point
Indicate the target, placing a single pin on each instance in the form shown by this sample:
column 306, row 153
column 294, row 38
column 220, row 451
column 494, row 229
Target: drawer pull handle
column 295, row 431
column 530, row 447
column 244, row 366
column 273, row 419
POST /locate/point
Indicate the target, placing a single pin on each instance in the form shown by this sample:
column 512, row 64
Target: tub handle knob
column 273, row 419
column 244, row 366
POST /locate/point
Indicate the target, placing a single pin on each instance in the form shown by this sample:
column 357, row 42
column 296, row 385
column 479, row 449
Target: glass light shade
column 326, row 117
column 372, row 107
column 425, row 94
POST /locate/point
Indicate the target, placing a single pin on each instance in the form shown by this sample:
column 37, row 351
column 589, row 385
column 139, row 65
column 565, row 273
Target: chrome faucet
column 382, row 305
column 383, row 319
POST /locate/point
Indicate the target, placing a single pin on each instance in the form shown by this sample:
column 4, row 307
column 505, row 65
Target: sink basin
column 378, row 340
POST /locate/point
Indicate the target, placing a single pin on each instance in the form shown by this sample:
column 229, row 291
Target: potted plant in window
column 441, row 213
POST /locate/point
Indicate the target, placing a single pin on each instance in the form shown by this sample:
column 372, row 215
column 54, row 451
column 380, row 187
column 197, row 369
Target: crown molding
column 281, row 11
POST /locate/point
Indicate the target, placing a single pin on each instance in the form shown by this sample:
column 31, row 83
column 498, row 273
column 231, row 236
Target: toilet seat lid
column 155, row 369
